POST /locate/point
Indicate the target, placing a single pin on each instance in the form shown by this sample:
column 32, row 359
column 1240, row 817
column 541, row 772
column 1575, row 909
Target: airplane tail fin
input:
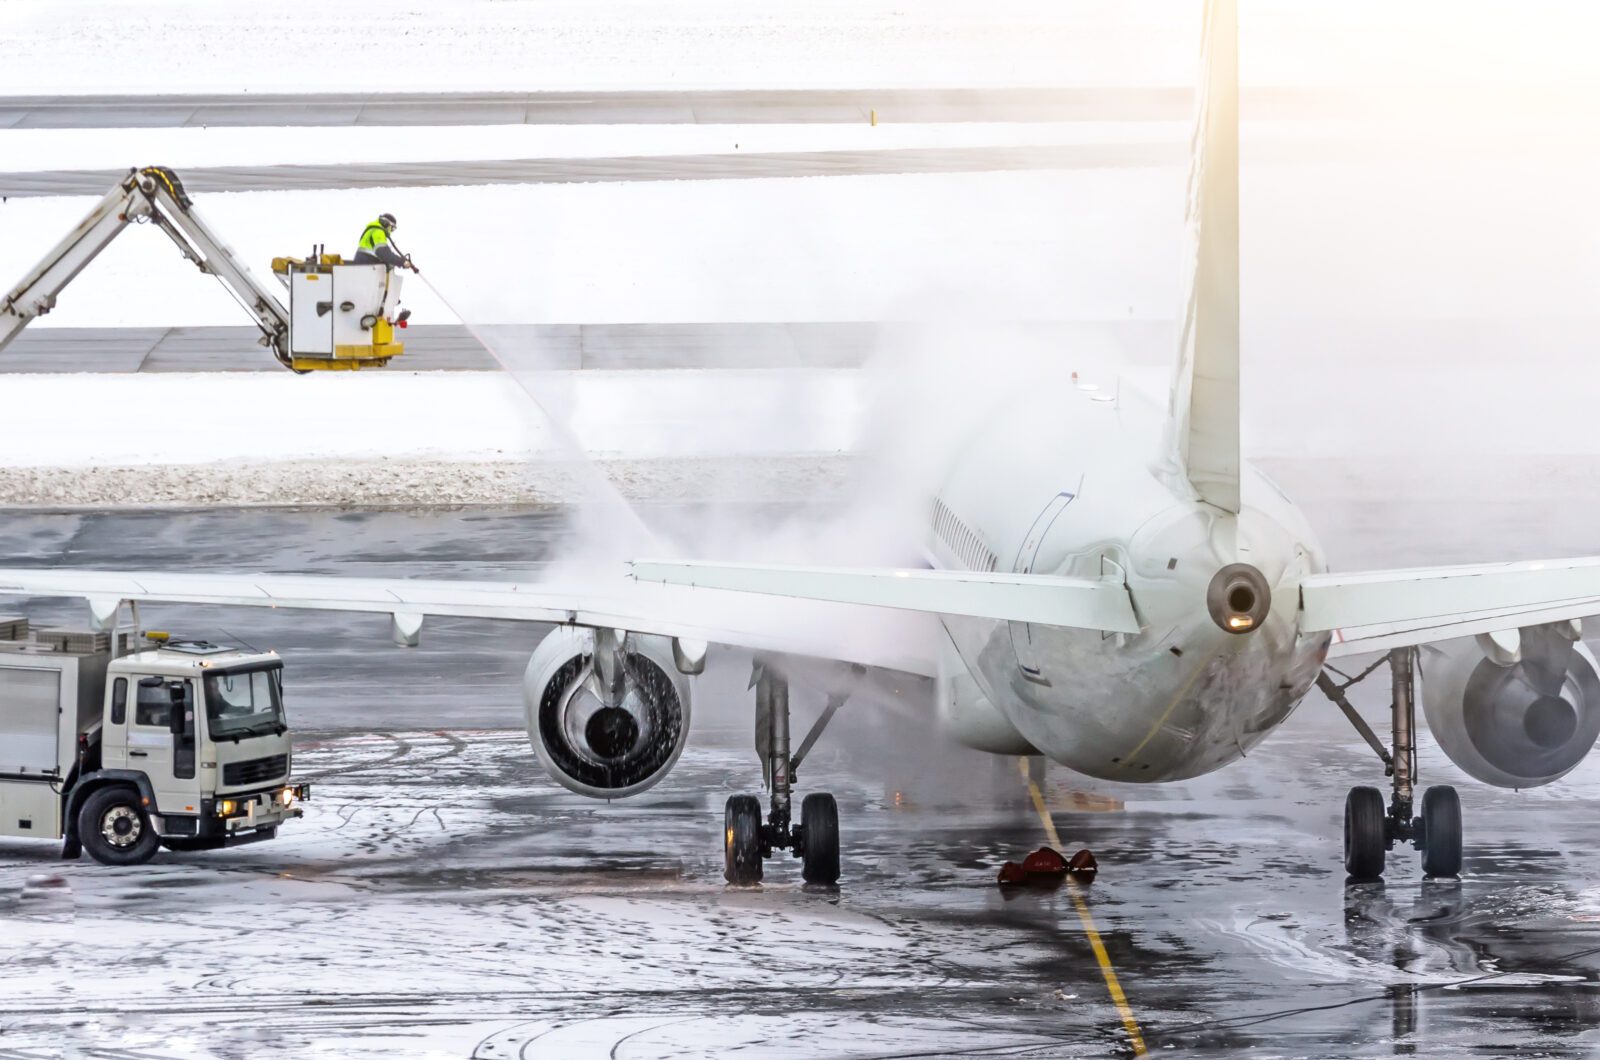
column 1203, row 415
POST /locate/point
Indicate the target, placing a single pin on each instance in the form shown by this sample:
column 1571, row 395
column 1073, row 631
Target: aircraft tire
column 741, row 840
column 819, row 830
column 1441, row 831
column 1365, row 836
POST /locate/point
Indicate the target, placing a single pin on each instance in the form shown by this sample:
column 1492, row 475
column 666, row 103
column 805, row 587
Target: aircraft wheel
column 741, row 840
column 819, row 830
column 1365, row 836
column 1441, row 831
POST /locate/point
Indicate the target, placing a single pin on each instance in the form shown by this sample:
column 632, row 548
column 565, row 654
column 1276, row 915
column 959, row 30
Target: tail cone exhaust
column 1238, row 598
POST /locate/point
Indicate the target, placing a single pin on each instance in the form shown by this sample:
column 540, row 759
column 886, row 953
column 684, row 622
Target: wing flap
column 1083, row 603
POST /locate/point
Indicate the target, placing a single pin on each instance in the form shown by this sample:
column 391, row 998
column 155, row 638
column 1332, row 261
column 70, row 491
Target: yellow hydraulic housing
column 342, row 316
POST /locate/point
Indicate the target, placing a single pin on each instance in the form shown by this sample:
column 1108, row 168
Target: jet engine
column 967, row 716
column 1516, row 709
column 608, row 711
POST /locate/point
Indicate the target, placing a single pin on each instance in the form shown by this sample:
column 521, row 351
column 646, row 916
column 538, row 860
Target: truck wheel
column 114, row 828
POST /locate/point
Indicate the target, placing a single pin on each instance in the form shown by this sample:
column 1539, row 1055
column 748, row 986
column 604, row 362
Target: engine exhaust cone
column 1550, row 721
column 611, row 732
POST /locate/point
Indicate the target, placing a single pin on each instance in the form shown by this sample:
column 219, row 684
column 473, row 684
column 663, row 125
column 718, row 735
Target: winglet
column 1203, row 414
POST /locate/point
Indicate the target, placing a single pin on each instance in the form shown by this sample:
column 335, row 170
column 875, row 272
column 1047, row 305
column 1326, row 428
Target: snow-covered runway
column 444, row 898
column 441, row 898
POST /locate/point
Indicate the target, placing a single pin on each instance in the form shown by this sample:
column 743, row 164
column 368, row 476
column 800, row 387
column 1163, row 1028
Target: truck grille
column 255, row 770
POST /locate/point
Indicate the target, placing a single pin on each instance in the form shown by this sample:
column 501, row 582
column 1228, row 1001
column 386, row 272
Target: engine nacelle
column 1515, row 710
column 606, row 752
column 967, row 716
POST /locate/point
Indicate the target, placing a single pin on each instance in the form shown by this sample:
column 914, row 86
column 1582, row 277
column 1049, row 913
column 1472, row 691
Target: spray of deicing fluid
column 622, row 524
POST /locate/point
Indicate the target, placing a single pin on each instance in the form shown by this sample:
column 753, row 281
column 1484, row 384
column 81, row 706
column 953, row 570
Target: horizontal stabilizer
column 1081, row 603
column 1378, row 610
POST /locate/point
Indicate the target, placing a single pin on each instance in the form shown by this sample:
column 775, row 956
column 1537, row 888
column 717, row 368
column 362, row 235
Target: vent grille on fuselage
column 967, row 547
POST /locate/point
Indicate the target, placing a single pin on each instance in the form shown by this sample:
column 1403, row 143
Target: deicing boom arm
column 154, row 194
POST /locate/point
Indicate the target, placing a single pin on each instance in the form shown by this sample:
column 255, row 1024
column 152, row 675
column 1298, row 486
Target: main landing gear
column 1371, row 829
column 746, row 839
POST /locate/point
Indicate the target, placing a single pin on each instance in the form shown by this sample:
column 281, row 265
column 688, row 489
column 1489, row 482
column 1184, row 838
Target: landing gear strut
column 1370, row 829
column 746, row 839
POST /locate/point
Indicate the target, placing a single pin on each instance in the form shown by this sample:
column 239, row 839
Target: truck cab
column 182, row 744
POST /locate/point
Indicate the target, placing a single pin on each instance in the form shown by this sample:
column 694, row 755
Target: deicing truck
column 118, row 744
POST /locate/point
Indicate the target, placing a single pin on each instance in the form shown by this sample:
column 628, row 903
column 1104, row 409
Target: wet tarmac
column 444, row 898
column 578, row 347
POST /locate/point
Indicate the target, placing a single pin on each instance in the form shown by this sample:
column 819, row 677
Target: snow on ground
column 395, row 437
column 192, row 46
column 444, row 898
column 452, row 851
column 99, row 46
column 410, row 483
column 1402, row 237
column 31, row 150
column 1009, row 246
column 474, row 416
column 1321, row 367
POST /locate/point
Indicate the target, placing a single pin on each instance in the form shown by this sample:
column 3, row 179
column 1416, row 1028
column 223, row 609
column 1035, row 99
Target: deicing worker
column 376, row 248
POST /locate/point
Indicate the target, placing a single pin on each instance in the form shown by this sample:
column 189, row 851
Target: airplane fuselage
column 1069, row 483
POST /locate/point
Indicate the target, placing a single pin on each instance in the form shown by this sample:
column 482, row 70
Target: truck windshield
column 245, row 703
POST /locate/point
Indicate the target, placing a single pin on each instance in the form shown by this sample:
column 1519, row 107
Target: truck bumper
column 239, row 818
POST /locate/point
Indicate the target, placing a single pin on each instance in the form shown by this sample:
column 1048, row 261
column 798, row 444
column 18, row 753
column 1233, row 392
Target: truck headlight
column 226, row 808
column 286, row 796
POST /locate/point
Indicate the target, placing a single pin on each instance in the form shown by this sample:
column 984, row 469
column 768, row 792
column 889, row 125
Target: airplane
column 1109, row 586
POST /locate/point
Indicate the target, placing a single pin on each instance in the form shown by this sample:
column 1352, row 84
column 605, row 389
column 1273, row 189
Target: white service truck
column 119, row 748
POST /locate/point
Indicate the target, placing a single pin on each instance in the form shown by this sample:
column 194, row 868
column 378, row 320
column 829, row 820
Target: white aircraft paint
column 1089, row 549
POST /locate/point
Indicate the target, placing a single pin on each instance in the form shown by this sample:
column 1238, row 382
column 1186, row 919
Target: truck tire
column 114, row 828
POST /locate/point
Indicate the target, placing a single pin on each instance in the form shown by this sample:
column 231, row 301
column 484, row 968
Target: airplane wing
column 807, row 611
column 906, row 643
column 1379, row 610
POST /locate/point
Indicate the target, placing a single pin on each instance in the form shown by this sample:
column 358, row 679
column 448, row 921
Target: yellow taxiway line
column 1118, row 998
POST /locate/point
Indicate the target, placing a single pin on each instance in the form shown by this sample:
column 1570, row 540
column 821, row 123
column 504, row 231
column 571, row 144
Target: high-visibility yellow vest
column 373, row 237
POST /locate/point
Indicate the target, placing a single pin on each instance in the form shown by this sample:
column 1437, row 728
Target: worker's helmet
column 387, row 221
